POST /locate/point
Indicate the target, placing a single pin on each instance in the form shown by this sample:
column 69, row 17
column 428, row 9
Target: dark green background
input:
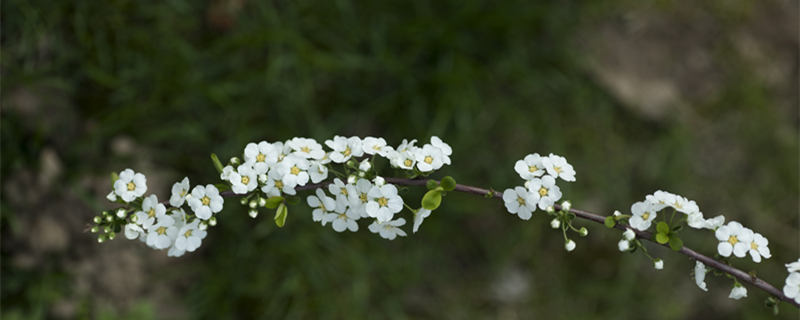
column 91, row 87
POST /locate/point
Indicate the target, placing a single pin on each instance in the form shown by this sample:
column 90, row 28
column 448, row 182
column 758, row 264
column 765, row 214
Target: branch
column 644, row 235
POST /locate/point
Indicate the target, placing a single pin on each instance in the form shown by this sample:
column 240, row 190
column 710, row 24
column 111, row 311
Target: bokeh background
column 695, row 97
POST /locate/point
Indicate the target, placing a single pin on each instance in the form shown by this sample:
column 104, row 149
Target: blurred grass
column 495, row 80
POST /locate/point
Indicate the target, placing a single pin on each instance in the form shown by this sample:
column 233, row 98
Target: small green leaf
column 216, row 162
column 610, row 222
column 273, row 202
column 432, row 199
column 448, row 183
column 662, row 238
column 432, row 184
column 114, row 177
column 280, row 215
column 662, row 227
column 675, row 243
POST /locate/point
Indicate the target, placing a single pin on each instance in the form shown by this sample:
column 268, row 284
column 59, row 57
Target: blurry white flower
column 262, row 155
column 419, row 216
column 732, row 239
column 714, row 223
column 190, row 236
column 344, row 148
column 322, row 204
column 530, row 167
column 244, row 179
column 317, row 171
column 111, row 196
column 570, row 245
column 428, row 158
column 793, row 266
column 623, row 245
column 546, row 190
column 389, row 229
column 205, row 200
column 558, row 167
column 365, row 165
column 294, row 171
column 629, row 234
column 643, row 215
column 274, row 186
column 372, row 145
column 792, row 286
column 700, row 275
column 658, row 264
column 161, row 234
column 179, row 192
column 758, row 246
column 133, row 231
column 444, row 147
column 151, row 210
column 357, row 196
column 130, row 185
column 738, row 292
column 306, row 148
column 344, row 220
column 384, row 202
column 520, row 201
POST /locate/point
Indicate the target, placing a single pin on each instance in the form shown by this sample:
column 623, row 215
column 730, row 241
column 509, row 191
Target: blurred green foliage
column 496, row 80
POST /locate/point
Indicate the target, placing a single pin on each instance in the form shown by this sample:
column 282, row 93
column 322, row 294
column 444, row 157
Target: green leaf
column 675, row 243
column 662, row 238
column 432, row 184
column 222, row 187
column 216, row 162
column 273, row 202
column 114, row 178
column 610, row 222
column 432, row 199
column 280, row 215
column 662, row 227
column 448, row 183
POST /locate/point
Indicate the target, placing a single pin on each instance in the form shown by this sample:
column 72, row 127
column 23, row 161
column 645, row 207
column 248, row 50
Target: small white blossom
column 322, row 204
column 624, row 245
column 389, row 229
column 151, row 211
column 403, row 160
column 372, row 145
column 365, row 165
column 629, row 234
column 274, row 186
column 660, row 199
column 357, row 196
column 244, row 179
column 758, row 246
column 317, row 171
column 262, row 155
column 161, row 234
column 792, row 286
column 133, row 231
column 520, row 201
column 294, row 171
column 643, row 215
column 205, row 200
column 111, row 196
column 419, row 216
column 555, row 224
column 226, row 173
column 306, row 148
column 714, row 223
column 546, row 190
column 130, row 185
column 793, row 266
column 738, row 292
column 190, row 236
column 617, row 213
column 179, row 191
column 344, row 219
column 700, row 275
column 558, row 167
column 658, row 264
column 684, row 205
column 444, row 147
column 384, row 202
column 344, row 148
column 530, row 167
column 378, row 181
column 340, row 191
column 732, row 239
column 570, row 245
column 428, row 158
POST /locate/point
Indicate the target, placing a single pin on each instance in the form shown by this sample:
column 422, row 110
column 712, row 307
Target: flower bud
column 555, row 224
column 212, row 221
column 629, row 234
column 658, row 264
column 97, row 219
column 365, row 165
column 624, row 245
column 253, row 213
column 351, row 163
column 262, row 178
column 617, row 213
column 351, row 179
column 94, row 229
column 583, row 231
column 121, row 213
column 203, row 226
column 361, row 174
column 550, row 209
column 379, row 181
column 101, row 238
column 109, row 218
column 566, row 205
column 243, row 201
column 107, row 229
column 235, row 161
column 134, row 218
column 262, row 202
column 111, row 236
column 253, row 204
column 570, row 245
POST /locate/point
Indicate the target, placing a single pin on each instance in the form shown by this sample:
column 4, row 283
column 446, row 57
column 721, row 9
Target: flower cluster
column 160, row 227
column 792, row 286
column 644, row 212
column 540, row 174
column 739, row 240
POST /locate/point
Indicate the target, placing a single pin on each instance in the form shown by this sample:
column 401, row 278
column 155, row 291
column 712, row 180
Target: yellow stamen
column 245, row 179
column 261, row 157
column 753, row 245
column 521, row 201
column 151, row 213
column 188, row 233
column 305, row 149
column 428, row 159
column 733, row 240
column 557, row 169
column 408, row 162
column 532, row 169
column 542, row 191
column 363, row 198
column 161, row 230
column 383, row 201
column 344, row 191
column 347, row 151
column 131, row 186
column 646, row 215
column 279, row 184
column 205, row 200
column 295, row 170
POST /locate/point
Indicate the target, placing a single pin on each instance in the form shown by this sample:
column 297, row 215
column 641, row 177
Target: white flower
column 111, row 196
column 617, row 213
column 133, row 231
column 306, row 148
column 317, row 171
column 555, row 224
column 365, row 165
column 130, row 185
column 444, row 147
column 344, row 220
column 792, row 287
column 357, row 196
column 151, row 210
column 262, row 155
column 758, row 246
column 379, row 181
column 372, row 145
column 558, row 167
column 175, row 252
column 179, row 192
column 205, row 200
column 244, row 179
column 629, row 234
column 419, row 216
column 732, row 239
column 660, row 199
column 643, row 215
column 389, row 229
column 530, row 167
column 384, row 202
column 623, row 245
column 273, row 185
column 428, row 158
column 658, row 264
column 793, row 266
column 339, row 190
column 322, row 204
column 407, row 146
column 569, row 245
column 161, row 234
column 403, row 160
column 344, row 148
column 520, row 201
column 714, row 223
column 700, row 275
column 190, row 236
column 738, row 292
column 546, row 189
column 294, row 171
column 226, row 173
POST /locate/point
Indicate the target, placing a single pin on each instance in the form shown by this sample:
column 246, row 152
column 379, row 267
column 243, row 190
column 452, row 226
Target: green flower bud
column 213, row 221
column 101, row 238
column 243, row 201
column 97, row 219
column 262, row 202
column 583, row 231
column 253, row 213
column 111, row 236
column 109, row 218
column 253, row 204
column 95, row 229
column 235, row 161
column 121, row 213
